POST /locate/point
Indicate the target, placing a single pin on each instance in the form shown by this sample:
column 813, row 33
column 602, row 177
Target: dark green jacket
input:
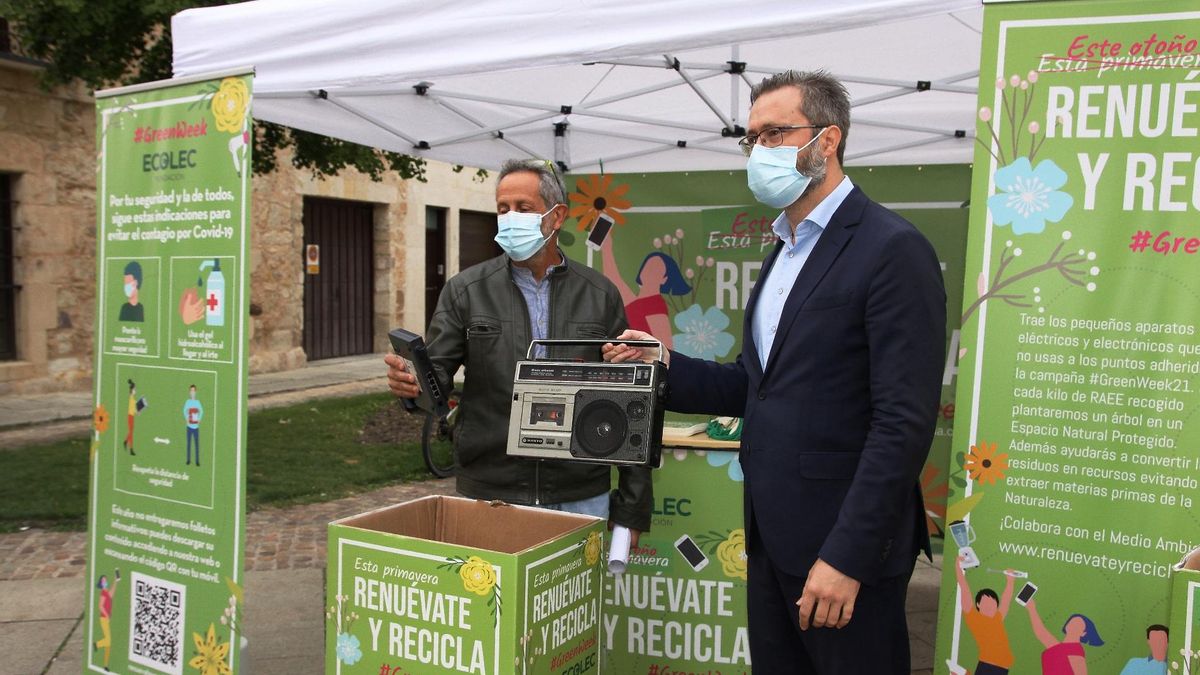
column 482, row 322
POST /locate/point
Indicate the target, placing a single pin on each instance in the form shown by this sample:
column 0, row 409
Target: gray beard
column 813, row 166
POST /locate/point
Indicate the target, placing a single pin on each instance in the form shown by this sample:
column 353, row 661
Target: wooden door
column 435, row 259
column 476, row 238
column 338, row 298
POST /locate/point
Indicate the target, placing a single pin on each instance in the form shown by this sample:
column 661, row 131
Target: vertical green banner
column 1076, row 439
column 167, row 461
column 685, row 252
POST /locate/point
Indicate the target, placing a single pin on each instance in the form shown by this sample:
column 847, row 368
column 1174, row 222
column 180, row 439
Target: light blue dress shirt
column 777, row 286
column 1144, row 666
column 537, row 300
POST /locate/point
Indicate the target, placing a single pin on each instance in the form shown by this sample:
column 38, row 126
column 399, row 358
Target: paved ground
column 41, row 573
column 48, row 417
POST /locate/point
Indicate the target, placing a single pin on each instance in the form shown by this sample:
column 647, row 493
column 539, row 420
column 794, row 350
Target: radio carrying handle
column 591, row 343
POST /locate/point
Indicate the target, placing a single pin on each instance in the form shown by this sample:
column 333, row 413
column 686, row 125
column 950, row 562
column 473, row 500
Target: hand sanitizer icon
column 214, row 293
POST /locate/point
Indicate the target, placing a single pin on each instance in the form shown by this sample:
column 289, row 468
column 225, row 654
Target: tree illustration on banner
column 1028, row 197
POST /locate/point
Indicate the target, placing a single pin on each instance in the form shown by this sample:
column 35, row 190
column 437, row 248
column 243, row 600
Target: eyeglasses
column 772, row 137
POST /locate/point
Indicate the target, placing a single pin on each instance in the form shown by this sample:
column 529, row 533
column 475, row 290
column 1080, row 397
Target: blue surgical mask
column 129, row 290
column 520, row 234
column 772, row 174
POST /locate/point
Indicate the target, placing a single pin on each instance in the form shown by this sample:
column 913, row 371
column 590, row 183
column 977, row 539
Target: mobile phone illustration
column 691, row 552
column 1026, row 593
column 599, row 232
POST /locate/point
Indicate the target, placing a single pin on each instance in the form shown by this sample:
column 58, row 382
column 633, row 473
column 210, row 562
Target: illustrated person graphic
column 1065, row 657
column 107, row 593
column 1156, row 663
column 132, row 310
column 193, row 412
column 134, row 409
column 646, row 310
column 985, row 620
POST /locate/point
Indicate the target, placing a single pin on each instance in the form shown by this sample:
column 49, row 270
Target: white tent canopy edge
column 665, row 85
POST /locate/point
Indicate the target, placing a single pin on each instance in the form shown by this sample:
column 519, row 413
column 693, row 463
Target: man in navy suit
column 838, row 382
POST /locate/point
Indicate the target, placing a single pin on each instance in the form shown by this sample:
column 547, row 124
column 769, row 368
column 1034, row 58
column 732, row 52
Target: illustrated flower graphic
column 591, row 549
column 729, row 459
column 477, row 575
column 732, row 554
column 229, row 105
column 1030, row 196
column 935, row 491
column 348, row 649
column 210, row 656
column 703, row 335
column 984, row 464
column 596, row 195
column 100, row 419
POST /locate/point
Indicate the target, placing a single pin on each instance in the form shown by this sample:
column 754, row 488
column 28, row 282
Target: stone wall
column 47, row 142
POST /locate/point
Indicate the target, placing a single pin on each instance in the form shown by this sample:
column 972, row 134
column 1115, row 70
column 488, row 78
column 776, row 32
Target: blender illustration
column 964, row 536
column 214, row 293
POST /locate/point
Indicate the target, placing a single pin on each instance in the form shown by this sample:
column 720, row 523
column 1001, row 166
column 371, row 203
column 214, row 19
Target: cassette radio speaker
column 607, row 413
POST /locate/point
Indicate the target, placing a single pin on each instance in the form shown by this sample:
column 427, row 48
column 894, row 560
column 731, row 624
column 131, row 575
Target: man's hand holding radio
column 619, row 352
column 402, row 383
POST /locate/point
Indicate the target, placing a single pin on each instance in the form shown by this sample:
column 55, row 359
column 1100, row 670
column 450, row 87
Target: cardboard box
column 452, row 585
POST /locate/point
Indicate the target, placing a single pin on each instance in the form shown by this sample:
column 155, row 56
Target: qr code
column 156, row 623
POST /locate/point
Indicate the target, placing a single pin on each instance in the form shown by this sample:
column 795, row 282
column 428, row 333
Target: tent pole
column 488, row 131
column 881, row 97
column 648, row 90
column 899, row 146
column 617, row 158
column 441, row 93
column 907, row 127
column 587, row 112
column 700, row 92
column 454, row 109
column 367, row 117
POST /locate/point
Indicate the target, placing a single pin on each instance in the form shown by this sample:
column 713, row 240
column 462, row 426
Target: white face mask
column 772, row 175
column 520, row 234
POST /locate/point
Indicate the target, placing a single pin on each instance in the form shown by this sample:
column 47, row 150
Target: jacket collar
column 829, row 246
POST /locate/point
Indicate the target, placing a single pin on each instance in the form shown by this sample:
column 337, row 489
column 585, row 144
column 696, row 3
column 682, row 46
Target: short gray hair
column 550, row 182
column 824, row 101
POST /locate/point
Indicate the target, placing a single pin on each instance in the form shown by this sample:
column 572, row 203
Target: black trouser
column 875, row 641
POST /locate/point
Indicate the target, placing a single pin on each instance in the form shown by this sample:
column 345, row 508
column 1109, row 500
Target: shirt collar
column 525, row 272
column 819, row 216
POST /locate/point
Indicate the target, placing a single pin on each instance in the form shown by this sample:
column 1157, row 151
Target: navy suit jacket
column 839, row 424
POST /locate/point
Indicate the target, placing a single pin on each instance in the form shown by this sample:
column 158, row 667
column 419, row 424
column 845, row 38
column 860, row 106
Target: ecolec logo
column 673, row 506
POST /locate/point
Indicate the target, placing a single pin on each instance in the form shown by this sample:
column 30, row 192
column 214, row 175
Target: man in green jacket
column 486, row 317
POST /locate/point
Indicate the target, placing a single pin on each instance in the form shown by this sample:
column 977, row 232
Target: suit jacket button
column 762, row 396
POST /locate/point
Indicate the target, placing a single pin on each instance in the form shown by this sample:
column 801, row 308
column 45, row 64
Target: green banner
column 685, row 253
column 1076, row 447
column 167, row 461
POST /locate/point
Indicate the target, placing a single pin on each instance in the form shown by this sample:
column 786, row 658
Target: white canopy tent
column 619, row 85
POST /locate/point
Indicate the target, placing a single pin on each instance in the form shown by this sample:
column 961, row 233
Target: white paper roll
column 618, row 553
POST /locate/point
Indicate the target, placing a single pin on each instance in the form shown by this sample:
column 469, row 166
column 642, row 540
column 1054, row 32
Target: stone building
column 393, row 242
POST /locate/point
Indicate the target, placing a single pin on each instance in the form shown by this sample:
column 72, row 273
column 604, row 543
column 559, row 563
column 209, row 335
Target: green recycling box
column 453, row 585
